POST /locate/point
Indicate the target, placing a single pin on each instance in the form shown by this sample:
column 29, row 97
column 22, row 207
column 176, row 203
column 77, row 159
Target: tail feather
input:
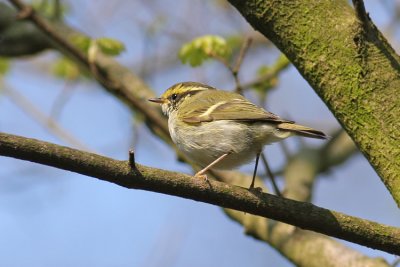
column 302, row 130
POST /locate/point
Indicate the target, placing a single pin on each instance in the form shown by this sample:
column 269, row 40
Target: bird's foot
column 201, row 176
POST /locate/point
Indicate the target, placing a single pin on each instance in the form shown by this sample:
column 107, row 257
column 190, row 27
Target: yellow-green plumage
column 207, row 123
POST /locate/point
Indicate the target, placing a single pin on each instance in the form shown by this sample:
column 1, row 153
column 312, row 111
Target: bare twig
column 235, row 70
column 221, row 59
column 47, row 122
column 242, row 53
column 281, row 64
column 127, row 99
column 61, row 99
column 115, row 86
column 338, row 149
column 131, row 159
column 301, row 214
column 27, row 12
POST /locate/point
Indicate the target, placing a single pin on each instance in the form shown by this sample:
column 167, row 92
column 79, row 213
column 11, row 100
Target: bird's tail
column 302, row 130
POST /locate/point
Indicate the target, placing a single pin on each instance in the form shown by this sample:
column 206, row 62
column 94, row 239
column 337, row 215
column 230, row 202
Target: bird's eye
column 174, row 96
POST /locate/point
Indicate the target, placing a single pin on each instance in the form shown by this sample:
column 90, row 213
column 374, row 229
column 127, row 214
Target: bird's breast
column 205, row 142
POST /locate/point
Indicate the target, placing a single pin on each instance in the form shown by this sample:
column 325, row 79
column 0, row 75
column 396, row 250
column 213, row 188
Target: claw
column 201, row 176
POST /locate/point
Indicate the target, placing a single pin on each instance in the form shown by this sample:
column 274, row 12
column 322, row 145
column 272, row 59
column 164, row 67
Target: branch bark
column 305, row 248
column 351, row 67
column 132, row 90
column 301, row 214
column 115, row 78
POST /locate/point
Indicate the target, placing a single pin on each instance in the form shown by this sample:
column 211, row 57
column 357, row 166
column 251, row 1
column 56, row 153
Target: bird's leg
column 201, row 173
column 255, row 171
column 271, row 175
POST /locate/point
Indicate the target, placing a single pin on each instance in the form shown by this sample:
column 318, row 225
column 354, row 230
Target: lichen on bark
column 352, row 68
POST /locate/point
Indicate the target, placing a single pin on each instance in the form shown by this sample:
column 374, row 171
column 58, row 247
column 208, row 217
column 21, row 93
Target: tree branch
column 131, row 91
column 19, row 38
column 301, row 214
column 303, row 248
column 105, row 71
column 357, row 76
column 27, row 12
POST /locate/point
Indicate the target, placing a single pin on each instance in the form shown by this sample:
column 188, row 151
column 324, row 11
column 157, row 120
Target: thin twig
column 273, row 72
column 156, row 121
column 221, row 59
column 235, row 70
column 47, row 122
column 337, row 150
column 61, row 99
column 27, row 12
column 131, row 159
column 243, row 50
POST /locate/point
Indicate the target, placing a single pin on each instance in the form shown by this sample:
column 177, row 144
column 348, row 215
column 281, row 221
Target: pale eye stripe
column 212, row 108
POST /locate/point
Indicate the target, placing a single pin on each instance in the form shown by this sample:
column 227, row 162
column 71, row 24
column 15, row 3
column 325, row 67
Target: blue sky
column 50, row 217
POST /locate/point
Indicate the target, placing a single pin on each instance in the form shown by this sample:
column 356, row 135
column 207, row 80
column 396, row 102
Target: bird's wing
column 231, row 107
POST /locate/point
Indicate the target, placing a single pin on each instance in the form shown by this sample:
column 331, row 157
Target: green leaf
column 66, row 69
column 282, row 62
column 270, row 74
column 203, row 48
column 107, row 46
column 110, row 46
column 48, row 8
column 4, row 65
column 81, row 41
column 235, row 42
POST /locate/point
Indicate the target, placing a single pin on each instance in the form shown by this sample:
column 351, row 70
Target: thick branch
column 132, row 90
column 305, row 248
column 301, row 214
column 351, row 67
column 115, row 78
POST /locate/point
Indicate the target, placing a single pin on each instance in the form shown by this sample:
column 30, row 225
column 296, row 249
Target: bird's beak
column 157, row 100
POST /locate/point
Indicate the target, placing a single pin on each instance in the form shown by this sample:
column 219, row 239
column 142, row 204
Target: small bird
column 222, row 130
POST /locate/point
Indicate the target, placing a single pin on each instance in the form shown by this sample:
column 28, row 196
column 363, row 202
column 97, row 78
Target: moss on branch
column 301, row 214
column 350, row 66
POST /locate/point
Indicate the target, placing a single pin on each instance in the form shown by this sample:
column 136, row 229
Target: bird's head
column 174, row 96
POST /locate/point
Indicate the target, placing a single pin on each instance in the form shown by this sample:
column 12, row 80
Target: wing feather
column 221, row 105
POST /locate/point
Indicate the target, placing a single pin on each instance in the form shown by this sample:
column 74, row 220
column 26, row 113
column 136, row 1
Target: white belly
column 205, row 142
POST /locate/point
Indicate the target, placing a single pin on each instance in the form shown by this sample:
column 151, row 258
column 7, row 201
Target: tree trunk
column 350, row 66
